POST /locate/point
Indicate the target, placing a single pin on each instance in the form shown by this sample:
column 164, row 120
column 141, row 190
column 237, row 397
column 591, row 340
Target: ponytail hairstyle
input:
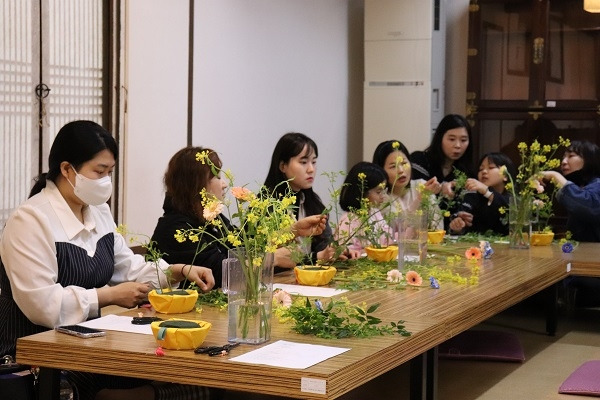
column 76, row 143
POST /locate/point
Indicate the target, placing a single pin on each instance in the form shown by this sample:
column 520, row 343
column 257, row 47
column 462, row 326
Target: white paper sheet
column 312, row 291
column 290, row 355
column 117, row 323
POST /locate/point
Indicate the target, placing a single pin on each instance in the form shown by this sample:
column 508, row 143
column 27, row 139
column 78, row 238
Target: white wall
column 261, row 68
column 156, row 109
column 267, row 67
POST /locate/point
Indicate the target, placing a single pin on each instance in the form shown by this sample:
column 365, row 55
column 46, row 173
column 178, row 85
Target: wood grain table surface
column 432, row 315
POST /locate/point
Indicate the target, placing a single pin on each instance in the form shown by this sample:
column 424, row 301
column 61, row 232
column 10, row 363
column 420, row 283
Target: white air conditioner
column 404, row 72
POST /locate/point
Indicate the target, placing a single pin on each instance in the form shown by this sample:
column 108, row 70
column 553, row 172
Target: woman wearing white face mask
column 62, row 260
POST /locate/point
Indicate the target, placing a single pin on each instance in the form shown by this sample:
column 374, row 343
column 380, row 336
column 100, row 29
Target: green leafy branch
column 339, row 319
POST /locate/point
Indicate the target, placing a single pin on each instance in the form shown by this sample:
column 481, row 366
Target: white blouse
column 28, row 252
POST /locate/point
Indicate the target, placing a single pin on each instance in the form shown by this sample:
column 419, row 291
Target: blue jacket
column 583, row 208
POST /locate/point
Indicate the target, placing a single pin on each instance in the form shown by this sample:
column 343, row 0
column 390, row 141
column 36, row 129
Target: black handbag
column 17, row 382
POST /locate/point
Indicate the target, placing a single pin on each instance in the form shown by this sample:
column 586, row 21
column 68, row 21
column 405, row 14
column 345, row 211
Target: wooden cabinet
column 533, row 72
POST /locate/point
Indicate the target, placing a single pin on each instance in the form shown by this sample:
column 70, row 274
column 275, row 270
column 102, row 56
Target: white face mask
column 92, row 191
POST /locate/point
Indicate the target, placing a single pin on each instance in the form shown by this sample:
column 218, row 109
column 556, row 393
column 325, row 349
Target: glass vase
column 519, row 223
column 248, row 283
column 412, row 238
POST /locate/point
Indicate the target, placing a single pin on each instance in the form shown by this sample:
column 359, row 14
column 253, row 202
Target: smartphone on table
column 80, row 331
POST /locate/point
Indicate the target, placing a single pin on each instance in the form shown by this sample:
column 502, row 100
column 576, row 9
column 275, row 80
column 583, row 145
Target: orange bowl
column 541, row 238
column 382, row 255
column 436, row 237
column 180, row 338
column 173, row 303
column 314, row 276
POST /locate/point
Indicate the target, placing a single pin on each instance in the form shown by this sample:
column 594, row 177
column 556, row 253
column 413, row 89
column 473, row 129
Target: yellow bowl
column 436, row 237
column 173, row 303
column 314, row 276
column 178, row 338
column 541, row 238
column 382, row 255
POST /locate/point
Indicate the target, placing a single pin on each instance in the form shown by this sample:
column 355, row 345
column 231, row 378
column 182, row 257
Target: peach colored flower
column 212, row 209
column 394, row 275
column 413, row 278
column 473, row 253
column 241, row 193
column 282, row 298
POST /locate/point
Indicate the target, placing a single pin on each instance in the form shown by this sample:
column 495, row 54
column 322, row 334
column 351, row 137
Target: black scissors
column 215, row 350
column 144, row 320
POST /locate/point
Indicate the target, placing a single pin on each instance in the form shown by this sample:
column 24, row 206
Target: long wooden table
column 432, row 316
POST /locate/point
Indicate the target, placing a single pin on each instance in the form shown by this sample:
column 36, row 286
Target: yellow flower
column 252, row 218
column 446, row 213
column 362, row 176
column 554, row 163
column 122, row 229
column 395, row 145
column 502, row 210
column 257, row 261
column 179, row 236
column 522, row 146
column 202, row 156
column 535, row 146
column 193, row 237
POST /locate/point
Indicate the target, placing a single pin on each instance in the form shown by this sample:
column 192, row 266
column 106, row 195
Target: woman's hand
column 554, row 177
column 202, row 276
column 351, row 254
column 475, row 186
column 283, row 258
column 327, row 254
column 448, row 189
column 127, row 294
column 433, row 186
column 463, row 220
column 310, row 226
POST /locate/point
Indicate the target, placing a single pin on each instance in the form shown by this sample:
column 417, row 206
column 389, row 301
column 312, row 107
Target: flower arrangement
column 438, row 207
column 526, row 188
column 264, row 221
column 367, row 224
column 153, row 255
column 260, row 223
column 164, row 299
